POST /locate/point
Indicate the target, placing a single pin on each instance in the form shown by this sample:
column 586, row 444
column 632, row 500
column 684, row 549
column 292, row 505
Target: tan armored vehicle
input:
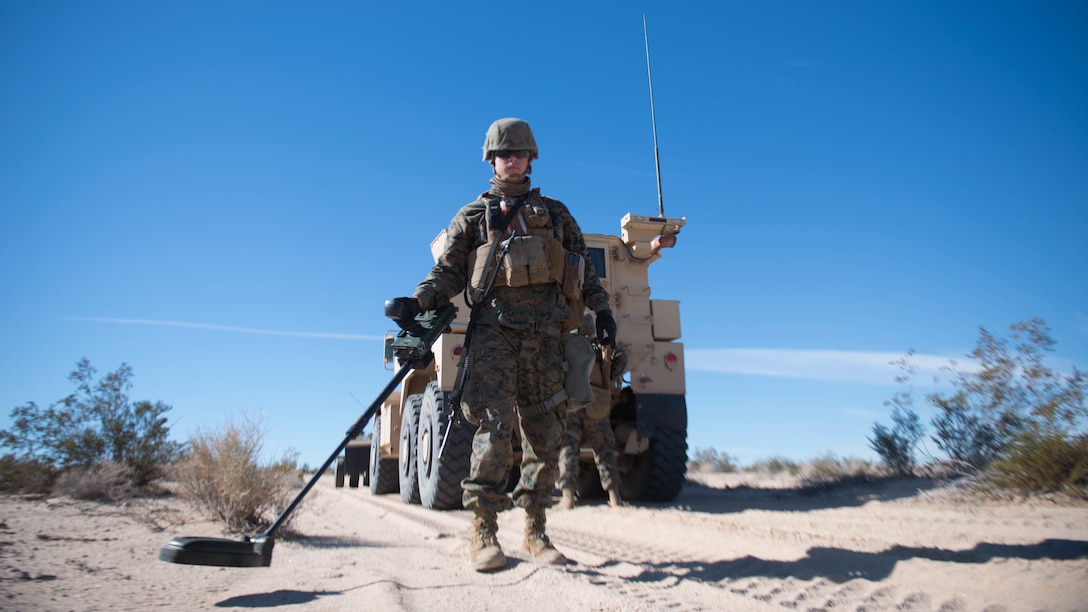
column 648, row 411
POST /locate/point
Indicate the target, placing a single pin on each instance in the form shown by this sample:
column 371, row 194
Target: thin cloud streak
column 833, row 366
column 227, row 328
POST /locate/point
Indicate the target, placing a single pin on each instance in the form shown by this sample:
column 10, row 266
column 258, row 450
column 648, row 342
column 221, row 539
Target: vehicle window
column 596, row 255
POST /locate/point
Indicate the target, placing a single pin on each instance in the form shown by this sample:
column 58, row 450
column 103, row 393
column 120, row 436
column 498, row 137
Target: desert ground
column 727, row 543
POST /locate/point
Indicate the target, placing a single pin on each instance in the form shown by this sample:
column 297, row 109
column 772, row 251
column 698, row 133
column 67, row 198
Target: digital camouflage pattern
column 523, row 308
column 516, row 360
column 582, row 431
column 509, row 134
column 513, row 372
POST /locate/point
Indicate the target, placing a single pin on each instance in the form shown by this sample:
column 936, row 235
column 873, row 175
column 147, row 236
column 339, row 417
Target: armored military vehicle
column 648, row 410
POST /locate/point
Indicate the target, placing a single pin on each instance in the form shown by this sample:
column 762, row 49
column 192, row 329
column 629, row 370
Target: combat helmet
column 509, row 134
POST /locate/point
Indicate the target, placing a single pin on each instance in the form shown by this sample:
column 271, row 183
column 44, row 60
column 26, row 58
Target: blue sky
column 222, row 194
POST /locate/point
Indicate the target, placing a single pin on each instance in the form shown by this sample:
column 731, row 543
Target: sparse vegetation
column 107, row 481
column 824, row 472
column 829, row 471
column 776, row 465
column 26, row 475
column 1013, row 420
column 222, row 474
column 896, row 445
column 710, row 460
column 1044, row 462
column 98, row 445
column 92, row 429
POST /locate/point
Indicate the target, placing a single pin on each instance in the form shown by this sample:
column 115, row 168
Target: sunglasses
column 520, row 154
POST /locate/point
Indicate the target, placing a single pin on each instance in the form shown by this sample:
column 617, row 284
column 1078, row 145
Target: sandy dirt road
column 890, row 547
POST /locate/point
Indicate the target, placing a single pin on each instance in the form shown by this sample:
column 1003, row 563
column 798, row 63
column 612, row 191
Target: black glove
column 402, row 310
column 606, row 328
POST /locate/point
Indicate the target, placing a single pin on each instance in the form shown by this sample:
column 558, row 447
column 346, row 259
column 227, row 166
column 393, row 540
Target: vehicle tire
column 409, row 450
column 659, row 473
column 341, row 467
column 383, row 470
column 440, row 475
column 357, row 462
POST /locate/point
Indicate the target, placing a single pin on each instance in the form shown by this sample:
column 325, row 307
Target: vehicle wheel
column 357, row 460
column 659, row 473
column 409, row 450
column 364, row 472
column 440, row 476
column 341, row 467
column 383, row 470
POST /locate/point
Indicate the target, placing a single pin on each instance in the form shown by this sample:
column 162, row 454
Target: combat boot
column 483, row 550
column 567, row 502
column 614, row 499
column 536, row 541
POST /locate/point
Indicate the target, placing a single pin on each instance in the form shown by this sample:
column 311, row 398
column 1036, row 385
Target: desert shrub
column 710, row 460
column 26, row 475
column 107, row 481
column 829, row 470
column 222, row 474
column 1044, row 461
column 288, row 464
column 896, row 446
column 1009, row 414
column 894, row 449
column 95, row 424
column 776, row 465
column 1012, row 393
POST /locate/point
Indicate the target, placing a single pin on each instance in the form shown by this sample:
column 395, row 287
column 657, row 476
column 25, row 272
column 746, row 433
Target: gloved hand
column 403, row 310
column 606, row 328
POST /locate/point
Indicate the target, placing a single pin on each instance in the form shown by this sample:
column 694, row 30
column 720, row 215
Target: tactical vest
column 529, row 252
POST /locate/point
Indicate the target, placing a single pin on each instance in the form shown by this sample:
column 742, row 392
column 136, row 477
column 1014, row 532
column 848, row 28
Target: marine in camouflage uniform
column 596, row 434
column 583, row 430
column 516, row 370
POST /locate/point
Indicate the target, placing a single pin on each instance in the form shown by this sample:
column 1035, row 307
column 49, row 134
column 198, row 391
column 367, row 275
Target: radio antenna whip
column 653, row 119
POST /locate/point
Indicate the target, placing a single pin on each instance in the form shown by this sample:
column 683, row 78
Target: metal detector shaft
column 416, row 353
column 355, row 430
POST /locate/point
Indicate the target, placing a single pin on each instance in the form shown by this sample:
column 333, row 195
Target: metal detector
column 412, row 347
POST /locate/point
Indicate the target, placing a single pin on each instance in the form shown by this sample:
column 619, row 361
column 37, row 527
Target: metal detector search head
column 414, row 352
column 250, row 552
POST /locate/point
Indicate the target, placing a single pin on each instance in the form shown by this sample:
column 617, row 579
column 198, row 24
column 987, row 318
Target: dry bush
column 222, row 474
column 26, row 475
column 775, row 465
column 830, row 471
column 1045, row 462
column 107, row 481
column 710, row 460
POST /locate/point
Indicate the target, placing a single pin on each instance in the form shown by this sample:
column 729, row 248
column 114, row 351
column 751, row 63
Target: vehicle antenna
column 653, row 120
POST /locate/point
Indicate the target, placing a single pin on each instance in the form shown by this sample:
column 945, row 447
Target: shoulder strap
column 493, row 237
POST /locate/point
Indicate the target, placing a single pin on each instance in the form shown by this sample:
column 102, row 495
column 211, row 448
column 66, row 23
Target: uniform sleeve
column 593, row 294
column 450, row 273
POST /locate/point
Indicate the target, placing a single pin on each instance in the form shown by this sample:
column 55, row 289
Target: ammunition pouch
column 578, row 361
column 532, row 257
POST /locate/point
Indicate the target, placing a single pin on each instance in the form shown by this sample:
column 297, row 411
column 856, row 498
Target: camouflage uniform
column 597, row 435
column 516, row 359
